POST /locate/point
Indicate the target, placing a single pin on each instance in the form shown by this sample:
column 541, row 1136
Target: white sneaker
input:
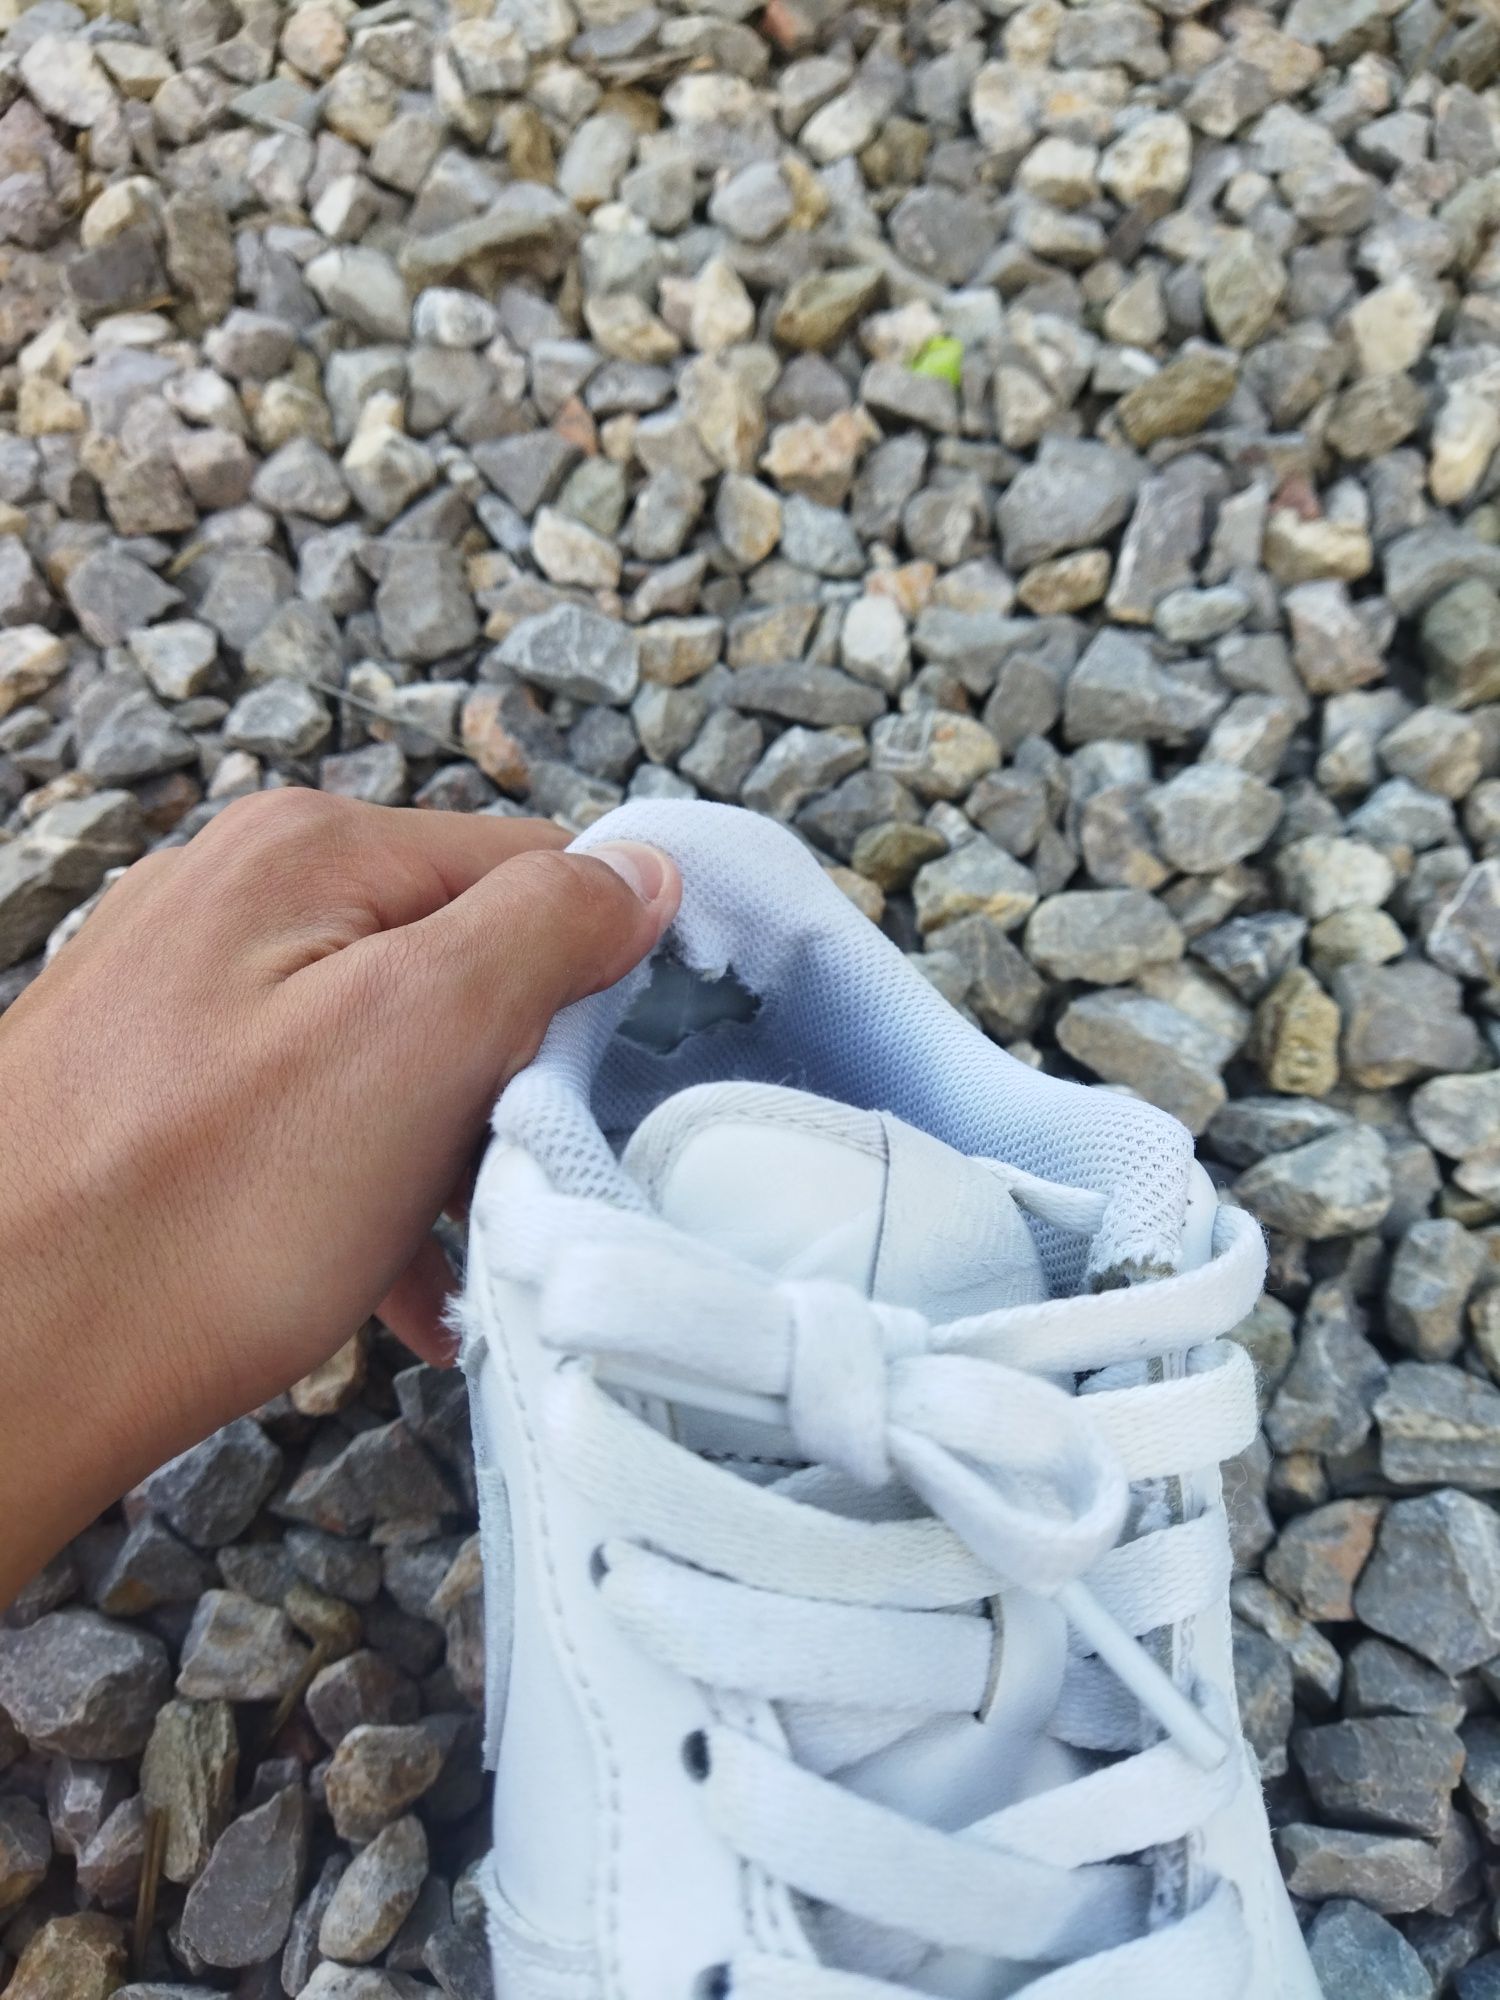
column 841, row 1645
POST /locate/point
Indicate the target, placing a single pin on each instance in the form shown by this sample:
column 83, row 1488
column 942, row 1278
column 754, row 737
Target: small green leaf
column 941, row 357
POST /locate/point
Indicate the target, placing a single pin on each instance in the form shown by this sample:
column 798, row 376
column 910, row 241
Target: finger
column 461, row 1199
column 422, row 860
column 466, row 994
column 414, row 1306
column 321, row 871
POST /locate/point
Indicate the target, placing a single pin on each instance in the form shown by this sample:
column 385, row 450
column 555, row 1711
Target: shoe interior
column 799, row 988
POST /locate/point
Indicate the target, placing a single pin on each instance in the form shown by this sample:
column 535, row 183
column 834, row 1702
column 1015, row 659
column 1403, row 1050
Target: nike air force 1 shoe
column 849, row 1400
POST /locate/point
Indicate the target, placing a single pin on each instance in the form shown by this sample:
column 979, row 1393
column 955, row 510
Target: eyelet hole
column 695, row 1759
column 712, row 1983
column 598, row 1566
column 995, row 1612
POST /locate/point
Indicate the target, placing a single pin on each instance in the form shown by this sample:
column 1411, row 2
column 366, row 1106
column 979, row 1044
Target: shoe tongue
column 807, row 1188
column 804, row 1187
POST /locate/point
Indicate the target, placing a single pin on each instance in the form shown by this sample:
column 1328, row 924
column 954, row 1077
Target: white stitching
column 585, row 1690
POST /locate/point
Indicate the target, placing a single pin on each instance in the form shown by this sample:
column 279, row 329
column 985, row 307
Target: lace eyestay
column 933, row 1408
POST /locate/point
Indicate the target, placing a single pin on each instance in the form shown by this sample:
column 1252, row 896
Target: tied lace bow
column 1024, row 1474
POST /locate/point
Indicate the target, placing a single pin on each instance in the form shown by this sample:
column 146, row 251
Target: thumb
column 541, row 930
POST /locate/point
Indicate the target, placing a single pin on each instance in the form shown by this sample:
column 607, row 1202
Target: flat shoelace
column 860, row 1627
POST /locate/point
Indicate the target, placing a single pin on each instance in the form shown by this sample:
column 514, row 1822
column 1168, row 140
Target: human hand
column 236, row 1102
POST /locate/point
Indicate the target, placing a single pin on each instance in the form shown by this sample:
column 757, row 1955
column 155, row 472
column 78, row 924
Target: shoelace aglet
column 1151, row 1685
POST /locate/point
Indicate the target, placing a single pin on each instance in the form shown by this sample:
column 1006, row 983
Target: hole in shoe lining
column 679, row 1003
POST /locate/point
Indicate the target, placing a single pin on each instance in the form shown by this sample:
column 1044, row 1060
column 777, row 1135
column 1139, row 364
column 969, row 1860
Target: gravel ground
column 1046, row 455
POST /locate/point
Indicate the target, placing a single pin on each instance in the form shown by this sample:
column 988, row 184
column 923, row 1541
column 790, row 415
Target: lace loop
column 768, row 1593
column 1017, row 1468
column 1021, row 1472
column 837, row 1388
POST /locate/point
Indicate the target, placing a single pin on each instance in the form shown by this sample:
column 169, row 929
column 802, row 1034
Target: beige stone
column 819, row 459
column 866, row 896
column 1154, row 157
column 1179, row 399
column 31, row 658
column 338, row 1380
column 1298, row 551
column 1065, row 583
column 71, row 1958
column 626, row 327
column 568, row 552
column 1392, row 326
column 1297, row 1027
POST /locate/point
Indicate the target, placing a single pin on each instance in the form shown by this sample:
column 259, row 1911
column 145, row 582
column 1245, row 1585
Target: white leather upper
column 599, row 1835
column 607, row 1879
column 1236, row 1844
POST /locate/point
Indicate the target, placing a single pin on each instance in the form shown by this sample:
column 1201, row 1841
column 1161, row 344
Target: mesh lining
column 842, row 1014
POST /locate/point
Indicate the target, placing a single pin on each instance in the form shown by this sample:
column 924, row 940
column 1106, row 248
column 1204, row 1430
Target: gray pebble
column 59, row 861
column 1385, row 1771
column 212, row 1492
column 1210, row 816
column 1105, row 936
column 239, row 1909
column 238, row 1650
column 1071, row 497
column 112, row 595
column 1438, row 1426
column 1388, row 1872
column 1459, row 1115
column 281, row 719
column 1332, row 1186
column 82, row 1686
column 1381, row 1678
column 574, row 652
column 1356, row 1953
column 1263, row 1681
column 423, row 603
column 383, row 1474
column 25, row 1851
column 151, row 1568
column 1433, row 1582
column 81, row 1794
column 1158, row 1051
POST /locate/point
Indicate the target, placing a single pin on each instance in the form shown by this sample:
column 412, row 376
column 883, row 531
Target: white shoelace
column 863, row 1623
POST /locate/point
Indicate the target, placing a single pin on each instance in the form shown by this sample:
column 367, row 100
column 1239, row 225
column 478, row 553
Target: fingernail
column 644, row 868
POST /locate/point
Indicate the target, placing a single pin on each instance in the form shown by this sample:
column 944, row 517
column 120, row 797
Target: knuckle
column 293, row 816
column 396, row 959
column 295, row 844
column 369, row 987
column 564, row 901
column 564, row 881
